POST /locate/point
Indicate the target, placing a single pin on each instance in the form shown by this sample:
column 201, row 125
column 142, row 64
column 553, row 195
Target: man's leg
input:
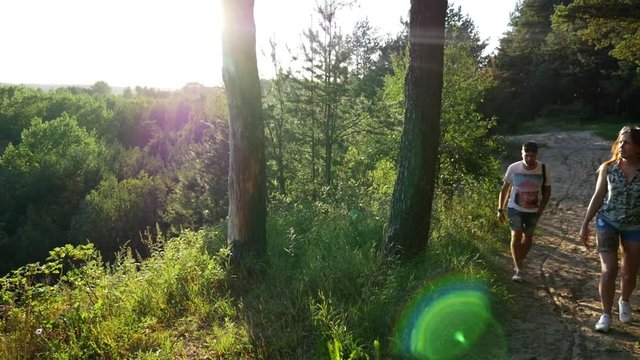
column 517, row 249
column 529, row 222
column 516, row 226
column 526, row 245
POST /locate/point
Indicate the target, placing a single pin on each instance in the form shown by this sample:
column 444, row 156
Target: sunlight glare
column 126, row 43
column 448, row 320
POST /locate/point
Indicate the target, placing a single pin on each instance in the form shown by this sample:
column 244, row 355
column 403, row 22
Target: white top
column 526, row 186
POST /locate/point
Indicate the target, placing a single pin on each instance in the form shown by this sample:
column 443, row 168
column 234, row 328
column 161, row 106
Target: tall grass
column 324, row 292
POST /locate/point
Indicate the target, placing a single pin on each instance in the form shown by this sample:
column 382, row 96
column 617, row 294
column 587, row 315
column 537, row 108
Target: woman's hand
column 584, row 236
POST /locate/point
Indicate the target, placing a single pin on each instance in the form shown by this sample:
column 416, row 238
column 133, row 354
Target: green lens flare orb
column 447, row 321
column 459, row 335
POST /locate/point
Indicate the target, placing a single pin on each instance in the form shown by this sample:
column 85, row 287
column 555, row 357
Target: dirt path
column 556, row 307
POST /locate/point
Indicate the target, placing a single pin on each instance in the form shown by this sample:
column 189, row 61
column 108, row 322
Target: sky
column 166, row 44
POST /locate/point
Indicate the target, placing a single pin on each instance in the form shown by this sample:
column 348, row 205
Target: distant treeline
column 115, row 90
column 568, row 62
column 82, row 164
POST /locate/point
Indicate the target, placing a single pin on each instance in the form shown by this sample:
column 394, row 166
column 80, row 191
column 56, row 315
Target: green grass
column 324, row 292
column 606, row 129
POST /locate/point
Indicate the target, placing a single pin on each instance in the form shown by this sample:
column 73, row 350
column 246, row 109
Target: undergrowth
column 323, row 292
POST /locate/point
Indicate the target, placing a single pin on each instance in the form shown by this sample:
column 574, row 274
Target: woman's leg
column 608, row 273
column 630, row 263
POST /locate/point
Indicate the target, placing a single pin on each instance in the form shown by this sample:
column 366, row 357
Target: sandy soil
column 556, row 307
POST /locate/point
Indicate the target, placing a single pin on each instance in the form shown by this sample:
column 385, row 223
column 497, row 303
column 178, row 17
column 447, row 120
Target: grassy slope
column 324, row 290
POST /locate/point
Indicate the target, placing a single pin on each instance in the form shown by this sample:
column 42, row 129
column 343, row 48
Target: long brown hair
column 634, row 131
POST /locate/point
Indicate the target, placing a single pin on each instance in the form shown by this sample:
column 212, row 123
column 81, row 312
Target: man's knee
column 609, row 273
column 516, row 234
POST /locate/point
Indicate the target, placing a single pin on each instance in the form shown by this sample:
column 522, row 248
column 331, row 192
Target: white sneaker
column 517, row 277
column 604, row 324
column 624, row 310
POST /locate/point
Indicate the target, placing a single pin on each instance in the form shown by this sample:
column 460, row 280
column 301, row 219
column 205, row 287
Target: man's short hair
column 530, row 146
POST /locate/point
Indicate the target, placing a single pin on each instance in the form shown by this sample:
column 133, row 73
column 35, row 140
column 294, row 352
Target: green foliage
column 126, row 311
column 594, row 36
column 46, row 176
column 316, row 115
column 466, row 147
column 466, row 150
column 101, row 88
column 334, row 253
column 382, row 178
column 563, row 55
column 324, row 283
column 18, row 106
column 518, row 96
column 26, row 292
column 201, row 195
column 325, row 290
column 118, row 213
column 57, row 146
column 92, row 113
column 605, row 24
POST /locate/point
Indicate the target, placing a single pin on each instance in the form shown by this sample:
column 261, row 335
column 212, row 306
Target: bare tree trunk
column 247, row 167
column 412, row 201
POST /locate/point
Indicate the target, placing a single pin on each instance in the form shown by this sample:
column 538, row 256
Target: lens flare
column 449, row 319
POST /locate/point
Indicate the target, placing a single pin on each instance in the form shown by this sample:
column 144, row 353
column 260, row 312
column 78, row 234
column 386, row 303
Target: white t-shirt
column 526, row 186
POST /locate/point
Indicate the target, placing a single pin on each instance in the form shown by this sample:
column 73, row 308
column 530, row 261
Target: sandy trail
column 556, row 307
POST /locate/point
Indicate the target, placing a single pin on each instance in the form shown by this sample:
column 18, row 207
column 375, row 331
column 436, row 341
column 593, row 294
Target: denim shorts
column 520, row 220
column 608, row 236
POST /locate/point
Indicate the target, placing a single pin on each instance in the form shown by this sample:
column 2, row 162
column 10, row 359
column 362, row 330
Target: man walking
column 523, row 197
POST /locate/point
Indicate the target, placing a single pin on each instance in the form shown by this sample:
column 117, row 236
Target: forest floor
column 555, row 308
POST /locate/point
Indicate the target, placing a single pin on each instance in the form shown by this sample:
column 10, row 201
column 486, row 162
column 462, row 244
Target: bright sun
column 162, row 44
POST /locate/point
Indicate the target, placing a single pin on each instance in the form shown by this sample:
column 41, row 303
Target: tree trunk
column 411, row 205
column 247, row 167
column 328, row 143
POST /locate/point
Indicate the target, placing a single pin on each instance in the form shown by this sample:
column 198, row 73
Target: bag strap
column 544, row 175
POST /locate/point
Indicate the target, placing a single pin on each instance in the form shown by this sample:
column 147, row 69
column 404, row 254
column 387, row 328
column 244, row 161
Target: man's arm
column 502, row 200
column 546, row 194
column 504, row 193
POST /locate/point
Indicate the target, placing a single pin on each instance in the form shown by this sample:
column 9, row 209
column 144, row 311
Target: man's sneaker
column 624, row 309
column 604, row 324
column 517, row 277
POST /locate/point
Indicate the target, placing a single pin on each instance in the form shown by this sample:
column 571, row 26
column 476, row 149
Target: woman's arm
column 594, row 205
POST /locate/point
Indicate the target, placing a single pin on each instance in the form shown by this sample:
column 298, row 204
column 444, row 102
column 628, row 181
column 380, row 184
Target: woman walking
column 616, row 206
